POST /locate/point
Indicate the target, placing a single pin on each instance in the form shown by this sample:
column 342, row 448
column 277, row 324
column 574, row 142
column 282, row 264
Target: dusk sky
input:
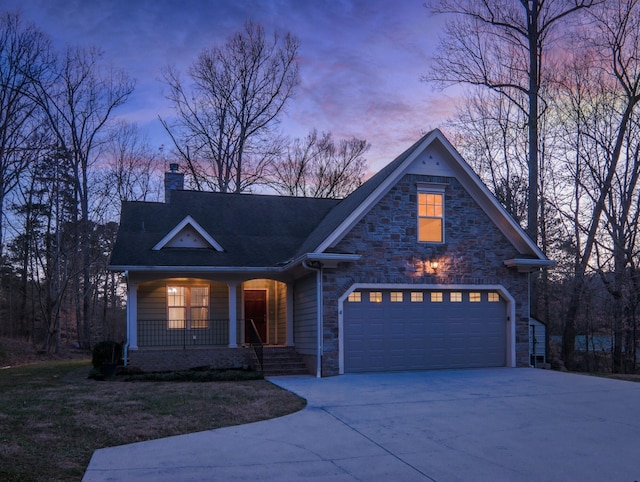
column 360, row 60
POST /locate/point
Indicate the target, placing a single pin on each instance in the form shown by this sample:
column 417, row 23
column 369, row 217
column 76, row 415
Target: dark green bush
column 106, row 352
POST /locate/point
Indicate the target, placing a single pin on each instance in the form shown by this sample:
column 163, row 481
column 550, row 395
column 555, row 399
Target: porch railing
column 255, row 342
column 179, row 333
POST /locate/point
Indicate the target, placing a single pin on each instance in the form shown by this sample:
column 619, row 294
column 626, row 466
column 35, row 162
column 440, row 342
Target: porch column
column 233, row 316
column 289, row 341
column 132, row 315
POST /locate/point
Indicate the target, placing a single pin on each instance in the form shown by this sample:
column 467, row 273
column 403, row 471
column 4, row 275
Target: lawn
column 52, row 417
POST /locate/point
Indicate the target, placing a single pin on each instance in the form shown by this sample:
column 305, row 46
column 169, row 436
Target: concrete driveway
column 501, row 424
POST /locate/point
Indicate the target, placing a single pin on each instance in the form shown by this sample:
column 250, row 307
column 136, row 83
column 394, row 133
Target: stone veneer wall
column 168, row 359
column 473, row 253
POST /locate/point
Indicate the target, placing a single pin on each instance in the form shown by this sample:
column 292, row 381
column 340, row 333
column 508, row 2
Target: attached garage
column 420, row 329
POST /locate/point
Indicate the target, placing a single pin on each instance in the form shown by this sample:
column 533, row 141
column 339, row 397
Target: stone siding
column 386, row 237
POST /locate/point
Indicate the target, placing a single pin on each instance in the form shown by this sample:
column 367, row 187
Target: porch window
column 187, row 307
column 430, row 217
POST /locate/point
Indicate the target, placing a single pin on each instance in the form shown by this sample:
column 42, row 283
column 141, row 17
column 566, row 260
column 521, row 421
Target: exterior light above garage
column 434, row 265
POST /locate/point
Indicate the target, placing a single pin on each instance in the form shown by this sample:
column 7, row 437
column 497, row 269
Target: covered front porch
column 181, row 322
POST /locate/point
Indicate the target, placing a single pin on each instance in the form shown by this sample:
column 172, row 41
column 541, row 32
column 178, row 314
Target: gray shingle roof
column 254, row 230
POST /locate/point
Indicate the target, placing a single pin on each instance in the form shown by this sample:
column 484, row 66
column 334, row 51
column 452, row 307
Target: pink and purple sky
column 360, row 60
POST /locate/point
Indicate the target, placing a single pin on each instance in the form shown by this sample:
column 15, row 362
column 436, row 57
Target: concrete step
column 283, row 361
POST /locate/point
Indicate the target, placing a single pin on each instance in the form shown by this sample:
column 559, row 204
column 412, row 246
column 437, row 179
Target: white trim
column 199, row 269
column 434, row 187
column 469, row 180
column 374, row 197
column 492, row 200
column 525, row 265
column 233, row 316
column 327, row 259
column 436, row 190
column 511, row 310
column 188, row 220
column 132, row 314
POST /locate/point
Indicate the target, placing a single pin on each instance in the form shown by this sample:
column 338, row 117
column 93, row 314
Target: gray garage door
column 389, row 330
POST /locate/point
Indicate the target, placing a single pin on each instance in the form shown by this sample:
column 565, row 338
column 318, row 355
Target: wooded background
column 548, row 118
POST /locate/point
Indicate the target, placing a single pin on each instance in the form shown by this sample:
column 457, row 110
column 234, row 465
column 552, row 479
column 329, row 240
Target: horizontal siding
column 219, row 299
column 152, row 306
column 152, row 301
column 305, row 329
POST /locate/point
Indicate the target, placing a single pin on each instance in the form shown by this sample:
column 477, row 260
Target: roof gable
column 237, row 230
column 433, row 155
column 188, row 234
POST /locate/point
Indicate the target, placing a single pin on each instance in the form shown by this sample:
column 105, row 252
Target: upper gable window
column 430, row 217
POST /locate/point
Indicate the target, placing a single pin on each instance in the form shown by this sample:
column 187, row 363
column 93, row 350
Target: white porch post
column 132, row 315
column 290, row 341
column 233, row 317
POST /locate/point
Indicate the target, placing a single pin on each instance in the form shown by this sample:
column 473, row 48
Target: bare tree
column 487, row 132
column 500, row 45
column 78, row 102
column 24, row 58
column 223, row 123
column 318, row 166
column 130, row 169
column 602, row 99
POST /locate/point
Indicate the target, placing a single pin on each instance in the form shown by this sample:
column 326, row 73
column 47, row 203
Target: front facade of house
column 420, row 268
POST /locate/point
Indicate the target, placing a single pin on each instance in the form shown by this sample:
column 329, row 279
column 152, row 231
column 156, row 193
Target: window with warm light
column 187, row 307
column 494, row 297
column 375, row 296
column 475, row 297
column 455, row 297
column 436, row 297
column 430, row 217
column 396, row 296
column 355, row 297
column 416, row 296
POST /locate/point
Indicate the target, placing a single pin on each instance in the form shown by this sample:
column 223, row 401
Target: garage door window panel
column 355, row 297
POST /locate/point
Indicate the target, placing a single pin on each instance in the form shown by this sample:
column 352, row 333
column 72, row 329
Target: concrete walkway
column 465, row 425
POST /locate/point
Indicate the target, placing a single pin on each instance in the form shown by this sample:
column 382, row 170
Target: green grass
column 52, row 417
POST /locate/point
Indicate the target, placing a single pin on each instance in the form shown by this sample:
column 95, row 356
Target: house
column 419, row 268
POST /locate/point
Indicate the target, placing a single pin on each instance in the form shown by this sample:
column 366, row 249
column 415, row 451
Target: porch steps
column 283, row 360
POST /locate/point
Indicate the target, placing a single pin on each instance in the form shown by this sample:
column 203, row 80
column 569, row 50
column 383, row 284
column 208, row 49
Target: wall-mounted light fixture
column 434, row 265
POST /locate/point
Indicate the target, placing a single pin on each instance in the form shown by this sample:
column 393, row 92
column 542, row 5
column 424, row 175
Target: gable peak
column 188, row 234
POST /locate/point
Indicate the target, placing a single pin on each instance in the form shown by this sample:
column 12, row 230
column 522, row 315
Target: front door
column 255, row 308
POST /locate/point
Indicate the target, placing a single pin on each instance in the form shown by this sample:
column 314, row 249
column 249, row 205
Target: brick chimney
column 173, row 181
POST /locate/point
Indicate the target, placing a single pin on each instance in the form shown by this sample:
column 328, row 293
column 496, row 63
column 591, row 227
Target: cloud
column 360, row 60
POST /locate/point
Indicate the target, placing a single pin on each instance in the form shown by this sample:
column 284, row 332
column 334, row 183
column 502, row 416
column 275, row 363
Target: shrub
column 106, row 352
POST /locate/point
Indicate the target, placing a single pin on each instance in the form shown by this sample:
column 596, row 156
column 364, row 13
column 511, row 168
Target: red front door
column 255, row 308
